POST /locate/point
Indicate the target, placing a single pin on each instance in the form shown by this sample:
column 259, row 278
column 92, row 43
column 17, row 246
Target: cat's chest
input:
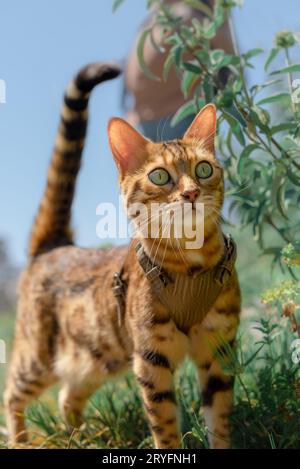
column 194, row 257
column 188, row 298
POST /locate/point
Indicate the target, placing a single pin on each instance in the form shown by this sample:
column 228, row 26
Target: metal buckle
column 152, row 271
column 224, row 270
column 118, row 285
column 119, row 294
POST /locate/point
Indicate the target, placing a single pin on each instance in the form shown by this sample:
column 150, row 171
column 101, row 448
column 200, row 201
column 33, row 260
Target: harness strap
column 159, row 278
column 165, row 285
column 225, row 268
column 119, row 291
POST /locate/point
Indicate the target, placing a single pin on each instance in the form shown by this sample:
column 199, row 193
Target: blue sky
column 43, row 44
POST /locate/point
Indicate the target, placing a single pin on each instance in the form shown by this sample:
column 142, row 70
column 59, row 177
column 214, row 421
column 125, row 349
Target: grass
column 267, row 404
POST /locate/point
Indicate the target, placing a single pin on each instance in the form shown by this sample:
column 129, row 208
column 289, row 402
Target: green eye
column 204, row 170
column 159, row 177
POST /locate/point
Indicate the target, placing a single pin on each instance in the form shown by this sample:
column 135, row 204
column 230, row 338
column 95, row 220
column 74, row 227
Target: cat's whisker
column 164, row 254
column 165, row 227
column 153, row 246
column 180, row 251
column 157, row 130
column 242, row 189
column 163, row 128
column 203, row 142
column 148, row 221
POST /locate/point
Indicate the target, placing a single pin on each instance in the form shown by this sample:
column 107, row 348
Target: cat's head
column 181, row 171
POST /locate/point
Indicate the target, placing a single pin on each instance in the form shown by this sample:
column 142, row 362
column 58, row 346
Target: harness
column 188, row 297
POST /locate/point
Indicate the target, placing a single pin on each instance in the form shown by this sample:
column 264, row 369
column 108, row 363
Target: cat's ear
column 128, row 146
column 203, row 127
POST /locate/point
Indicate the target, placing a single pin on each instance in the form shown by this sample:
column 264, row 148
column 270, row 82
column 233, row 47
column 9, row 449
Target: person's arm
column 156, row 99
column 225, row 38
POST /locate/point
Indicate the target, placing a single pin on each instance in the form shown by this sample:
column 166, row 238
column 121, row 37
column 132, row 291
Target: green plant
column 266, row 413
column 260, row 149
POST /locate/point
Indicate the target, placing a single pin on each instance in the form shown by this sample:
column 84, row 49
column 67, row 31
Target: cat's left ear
column 203, row 127
column 128, row 146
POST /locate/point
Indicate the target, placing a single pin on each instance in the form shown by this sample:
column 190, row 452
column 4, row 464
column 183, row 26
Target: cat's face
column 182, row 172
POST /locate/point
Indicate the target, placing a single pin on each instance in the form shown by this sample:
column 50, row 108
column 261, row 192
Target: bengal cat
column 68, row 326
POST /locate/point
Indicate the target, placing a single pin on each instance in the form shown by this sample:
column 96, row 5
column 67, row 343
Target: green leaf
column 177, row 55
column 274, row 98
column 203, row 56
column 257, row 117
column 227, row 60
column 208, row 90
column 244, row 156
column 233, row 111
column 216, row 56
column 219, row 15
column 252, row 53
column 280, row 200
column 189, row 79
column 284, row 126
column 198, row 5
column 116, row 5
column 209, row 30
column 235, row 127
column 156, row 46
column 253, row 356
column 237, row 130
column 296, row 131
column 257, row 88
column 191, row 67
column 199, row 102
column 184, row 111
column 292, row 177
column 272, row 55
column 289, row 69
column 173, row 40
column 237, row 85
column 197, row 25
column 167, row 66
column 140, row 54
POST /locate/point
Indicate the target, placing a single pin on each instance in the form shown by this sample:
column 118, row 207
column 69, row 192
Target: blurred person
column 152, row 104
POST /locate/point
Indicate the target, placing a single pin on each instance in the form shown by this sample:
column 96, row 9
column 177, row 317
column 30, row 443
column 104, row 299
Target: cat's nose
column 190, row 194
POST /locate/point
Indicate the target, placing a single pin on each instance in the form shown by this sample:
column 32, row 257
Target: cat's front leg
column 159, row 347
column 211, row 343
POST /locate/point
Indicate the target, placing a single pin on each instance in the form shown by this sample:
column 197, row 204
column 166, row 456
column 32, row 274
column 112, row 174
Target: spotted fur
column 68, row 327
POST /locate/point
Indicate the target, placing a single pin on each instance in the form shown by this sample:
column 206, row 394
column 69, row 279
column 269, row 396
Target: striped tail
column 51, row 227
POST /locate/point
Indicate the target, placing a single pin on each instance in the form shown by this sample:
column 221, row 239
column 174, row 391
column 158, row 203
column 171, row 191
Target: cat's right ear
column 128, row 146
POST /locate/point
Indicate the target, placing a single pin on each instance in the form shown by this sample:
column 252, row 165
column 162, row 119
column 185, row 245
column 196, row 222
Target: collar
column 159, row 277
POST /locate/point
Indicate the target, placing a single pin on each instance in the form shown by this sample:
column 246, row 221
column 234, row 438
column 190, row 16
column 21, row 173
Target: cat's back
column 70, row 269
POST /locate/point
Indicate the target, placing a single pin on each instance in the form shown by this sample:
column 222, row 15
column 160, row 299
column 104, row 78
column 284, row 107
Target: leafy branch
column 261, row 156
